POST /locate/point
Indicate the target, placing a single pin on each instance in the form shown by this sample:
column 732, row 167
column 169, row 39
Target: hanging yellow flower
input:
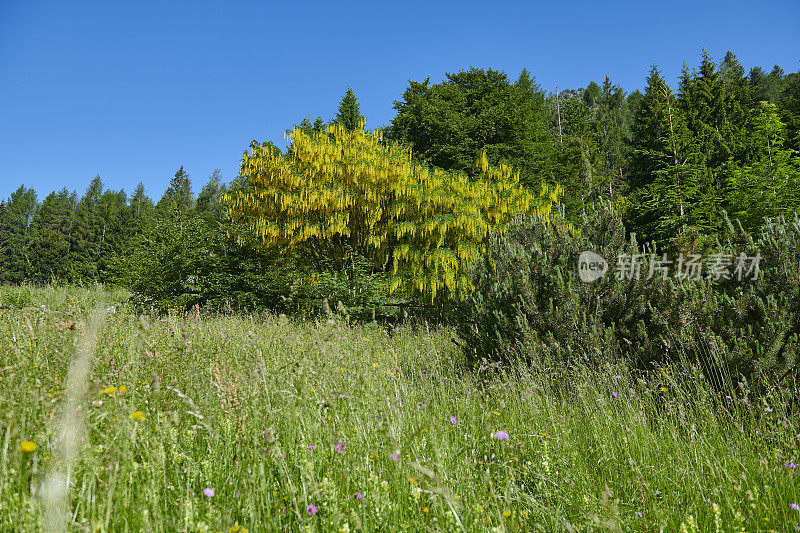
column 341, row 190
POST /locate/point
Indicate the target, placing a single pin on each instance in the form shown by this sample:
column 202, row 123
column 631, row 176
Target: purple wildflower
column 394, row 457
column 310, row 447
column 501, row 435
column 359, row 496
column 729, row 397
column 453, row 420
column 209, row 492
column 790, row 465
column 312, row 509
column 794, row 506
column 768, row 409
column 639, row 514
column 422, row 405
column 340, row 448
column 614, row 395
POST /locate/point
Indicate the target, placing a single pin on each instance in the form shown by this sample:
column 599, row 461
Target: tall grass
column 322, row 426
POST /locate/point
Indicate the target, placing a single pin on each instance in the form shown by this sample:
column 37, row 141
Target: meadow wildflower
column 109, row 390
column 138, row 416
column 422, row 405
column 209, row 492
column 27, row 446
column 453, row 420
column 794, row 506
column 340, row 448
column 312, row 509
column 310, row 447
column 790, row 465
column 394, row 457
column 122, row 388
column 501, row 435
column 614, row 395
column 768, row 409
column 359, row 496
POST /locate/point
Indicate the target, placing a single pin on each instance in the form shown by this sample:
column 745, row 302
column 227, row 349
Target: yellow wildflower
column 506, row 513
column 138, row 416
column 27, row 446
column 109, row 390
column 122, row 388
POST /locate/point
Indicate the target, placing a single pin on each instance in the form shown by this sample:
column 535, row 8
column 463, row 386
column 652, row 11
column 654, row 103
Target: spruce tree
column 178, row 196
column 349, row 113
column 14, row 225
column 48, row 241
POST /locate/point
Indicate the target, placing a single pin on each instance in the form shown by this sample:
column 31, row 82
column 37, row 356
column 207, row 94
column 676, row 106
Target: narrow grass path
column 70, row 426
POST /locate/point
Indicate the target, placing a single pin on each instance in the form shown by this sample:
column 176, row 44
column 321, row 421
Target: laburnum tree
column 343, row 191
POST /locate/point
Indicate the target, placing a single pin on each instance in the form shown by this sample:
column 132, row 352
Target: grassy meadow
column 210, row 422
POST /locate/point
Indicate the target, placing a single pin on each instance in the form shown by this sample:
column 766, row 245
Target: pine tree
column 349, row 113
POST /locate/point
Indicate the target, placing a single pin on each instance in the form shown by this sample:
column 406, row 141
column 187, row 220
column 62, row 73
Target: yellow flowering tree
column 341, row 191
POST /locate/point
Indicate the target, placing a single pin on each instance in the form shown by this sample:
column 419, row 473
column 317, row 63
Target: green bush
column 529, row 302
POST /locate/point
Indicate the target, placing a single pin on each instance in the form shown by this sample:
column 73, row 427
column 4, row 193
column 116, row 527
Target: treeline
column 674, row 162
column 63, row 238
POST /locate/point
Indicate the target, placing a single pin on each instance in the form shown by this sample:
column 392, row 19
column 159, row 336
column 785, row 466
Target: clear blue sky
column 133, row 90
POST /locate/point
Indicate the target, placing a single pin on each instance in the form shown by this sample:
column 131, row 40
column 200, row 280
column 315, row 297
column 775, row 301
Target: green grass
column 233, row 402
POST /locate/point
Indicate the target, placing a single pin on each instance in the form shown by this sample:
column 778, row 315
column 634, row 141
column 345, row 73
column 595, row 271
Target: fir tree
column 349, row 113
column 178, row 196
column 14, row 224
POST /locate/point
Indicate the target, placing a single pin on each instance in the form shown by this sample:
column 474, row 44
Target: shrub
column 529, row 302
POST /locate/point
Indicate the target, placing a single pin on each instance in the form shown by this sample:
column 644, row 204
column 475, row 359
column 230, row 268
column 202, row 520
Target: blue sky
column 133, row 90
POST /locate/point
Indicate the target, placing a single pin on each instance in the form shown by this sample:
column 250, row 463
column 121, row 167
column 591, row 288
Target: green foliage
column 349, row 113
column 449, row 123
column 529, row 302
column 16, row 215
column 179, row 195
